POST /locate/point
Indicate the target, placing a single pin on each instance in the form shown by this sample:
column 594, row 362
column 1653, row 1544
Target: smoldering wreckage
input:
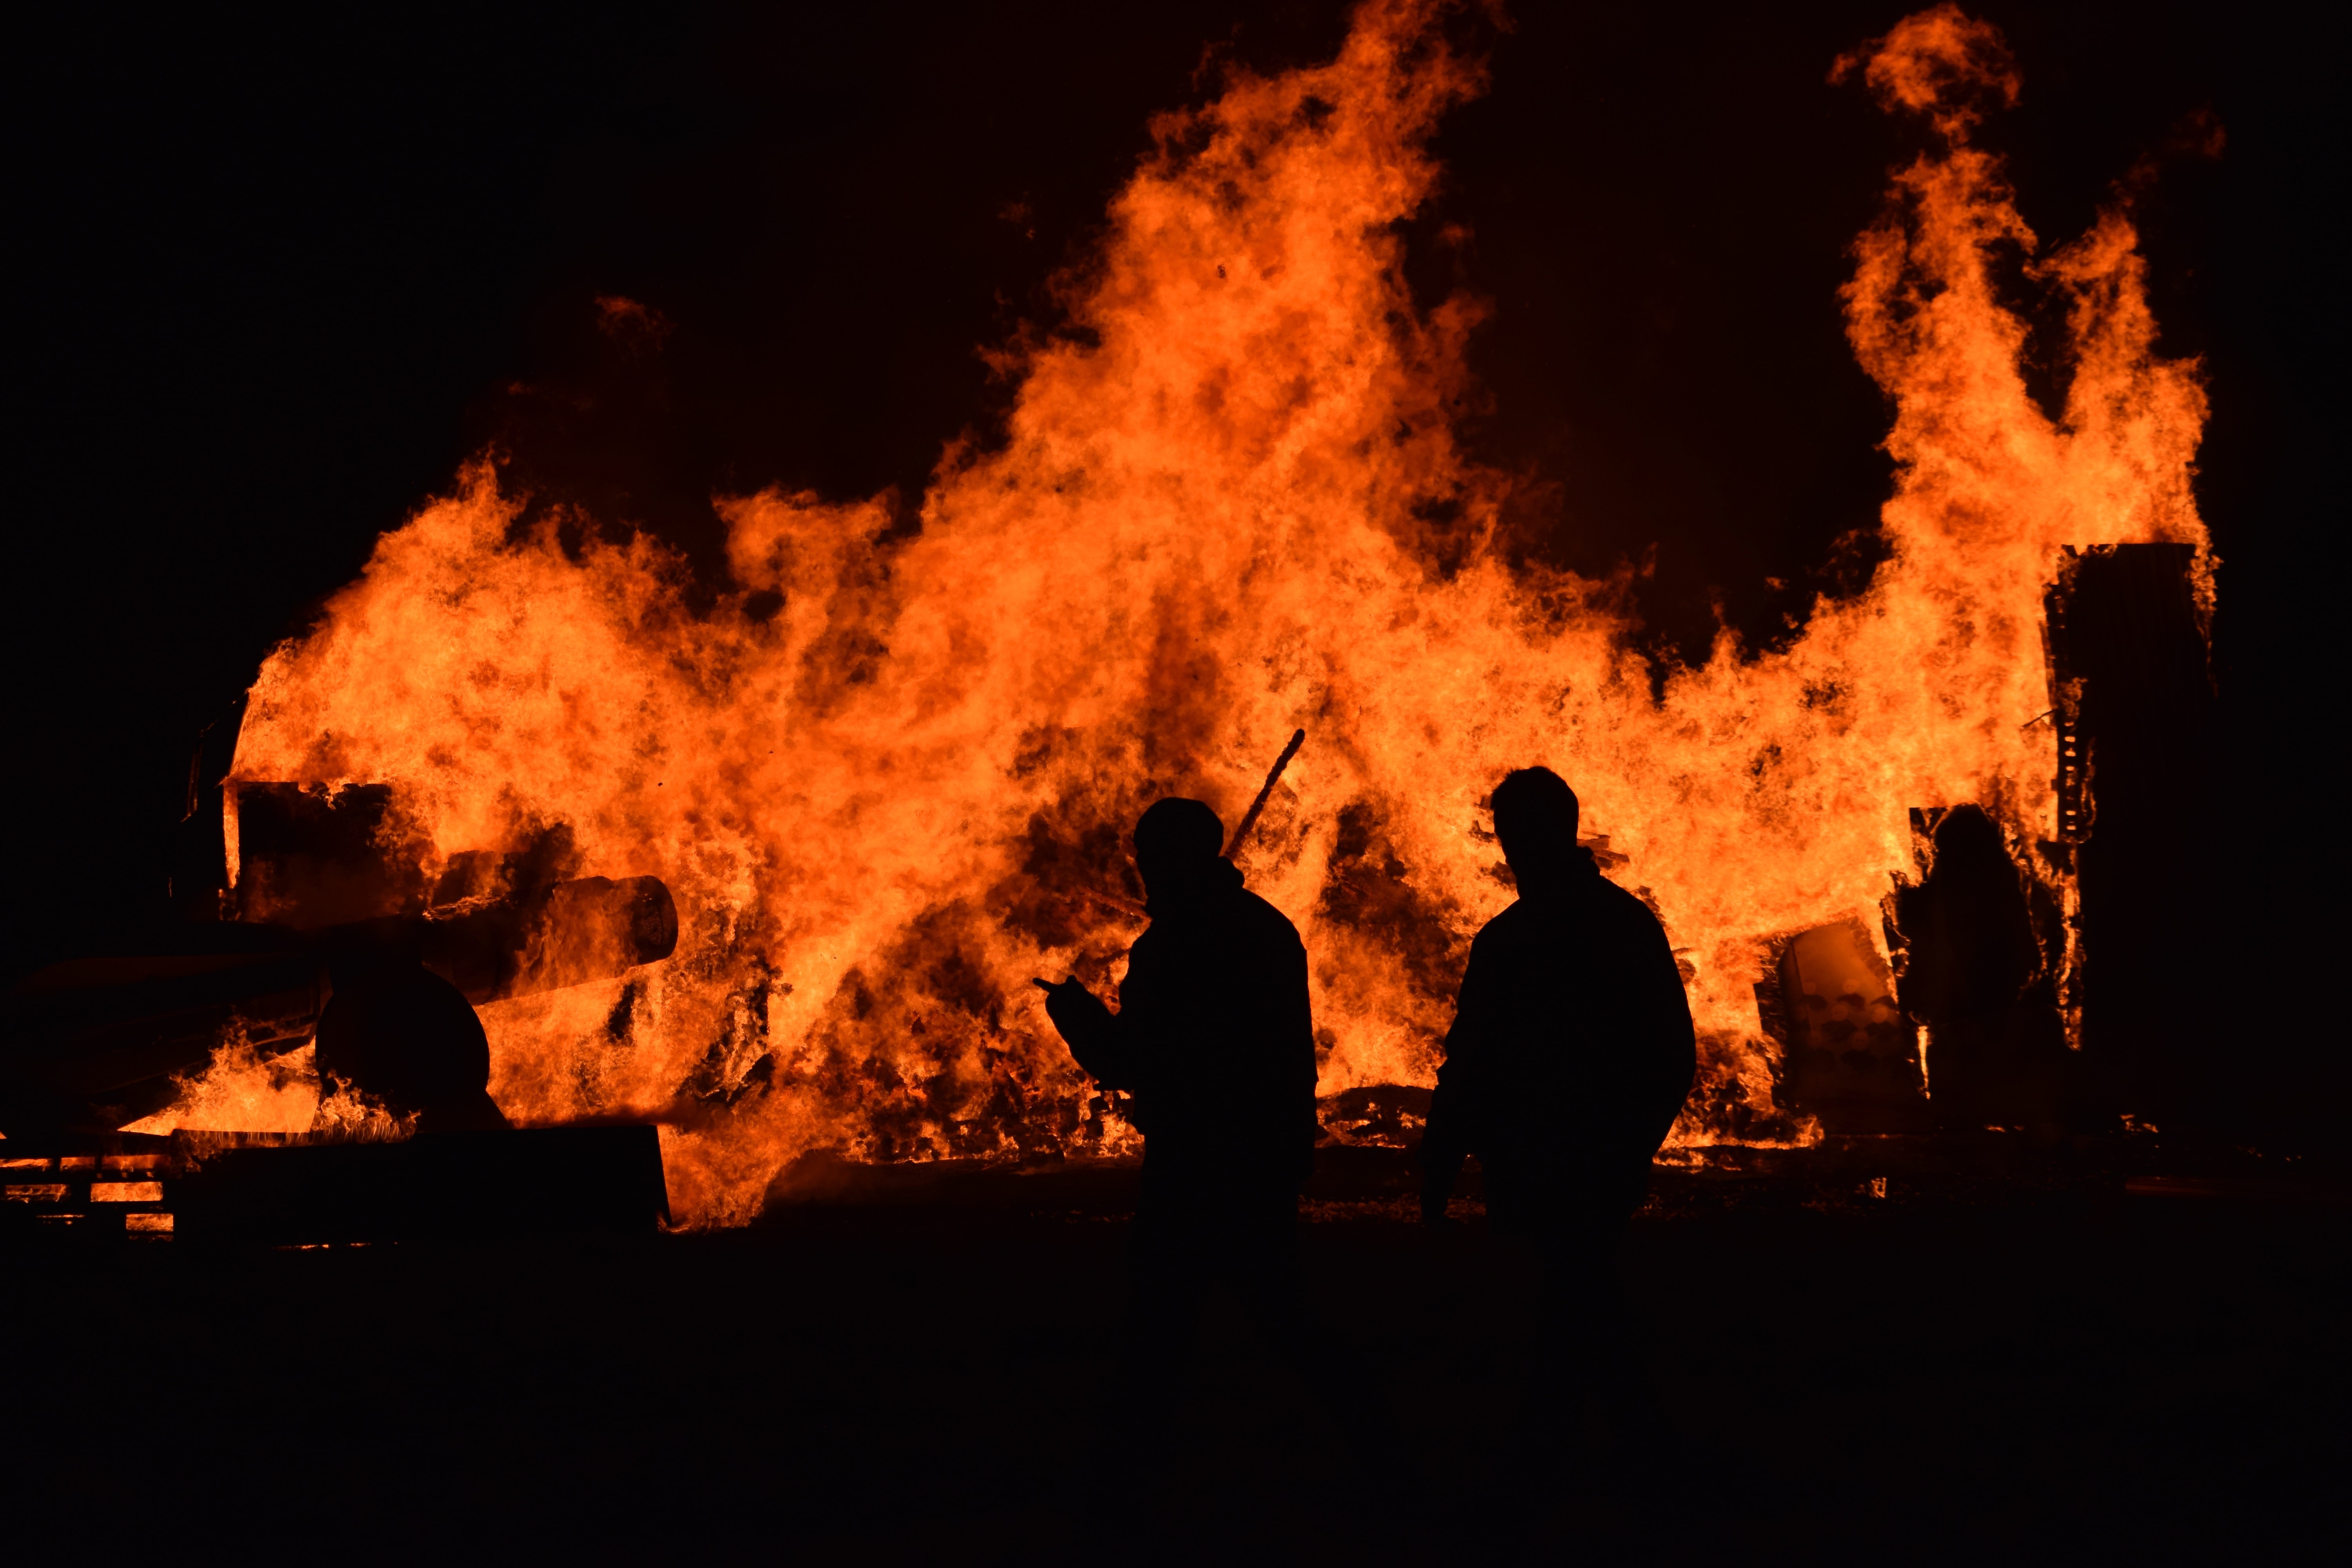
column 100, row 1042
column 652, row 843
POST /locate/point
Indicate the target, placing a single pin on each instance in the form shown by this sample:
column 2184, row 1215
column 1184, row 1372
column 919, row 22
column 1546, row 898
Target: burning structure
column 108, row 1039
column 887, row 777
column 321, row 890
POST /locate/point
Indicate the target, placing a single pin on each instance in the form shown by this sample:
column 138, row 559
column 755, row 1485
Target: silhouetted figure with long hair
column 1215, row 1041
column 1570, row 1055
column 409, row 1039
column 1974, row 976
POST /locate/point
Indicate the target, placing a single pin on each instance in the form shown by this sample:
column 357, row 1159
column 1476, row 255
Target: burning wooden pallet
column 301, row 1190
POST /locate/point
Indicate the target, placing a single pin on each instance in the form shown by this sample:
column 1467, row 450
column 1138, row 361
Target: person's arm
column 1671, row 1057
column 1091, row 1031
column 1445, row 1142
column 1116, row 1049
column 1298, row 1029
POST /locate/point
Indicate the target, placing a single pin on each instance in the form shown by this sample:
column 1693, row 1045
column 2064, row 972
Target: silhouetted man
column 1215, row 1041
column 408, row 1039
column 1570, row 1055
column 1996, row 1048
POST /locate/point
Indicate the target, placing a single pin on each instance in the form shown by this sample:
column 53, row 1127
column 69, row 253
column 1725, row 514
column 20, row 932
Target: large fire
column 1233, row 503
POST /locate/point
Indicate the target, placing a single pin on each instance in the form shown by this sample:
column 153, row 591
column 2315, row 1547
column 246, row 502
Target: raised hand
column 1076, row 1012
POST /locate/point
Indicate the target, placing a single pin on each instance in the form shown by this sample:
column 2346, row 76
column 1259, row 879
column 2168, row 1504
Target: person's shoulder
column 1264, row 918
column 1625, row 908
column 1517, row 925
column 1516, row 917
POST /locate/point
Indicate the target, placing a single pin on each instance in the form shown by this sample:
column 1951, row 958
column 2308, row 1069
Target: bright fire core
column 885, row 805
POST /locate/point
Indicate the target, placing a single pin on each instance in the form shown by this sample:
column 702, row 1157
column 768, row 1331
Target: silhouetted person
column 1994, row 1042
column 1570, row 1055
column 406, row 1038
column 1215, row 1041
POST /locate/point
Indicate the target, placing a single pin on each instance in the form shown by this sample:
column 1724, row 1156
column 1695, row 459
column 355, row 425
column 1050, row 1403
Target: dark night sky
column 274, row 280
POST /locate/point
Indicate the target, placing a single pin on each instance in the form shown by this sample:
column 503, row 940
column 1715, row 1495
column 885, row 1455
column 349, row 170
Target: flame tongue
column 888, row 804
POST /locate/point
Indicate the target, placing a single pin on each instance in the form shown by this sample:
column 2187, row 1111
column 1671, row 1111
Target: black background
column 276, row 278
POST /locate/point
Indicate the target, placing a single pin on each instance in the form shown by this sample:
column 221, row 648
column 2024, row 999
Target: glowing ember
column 885, row 805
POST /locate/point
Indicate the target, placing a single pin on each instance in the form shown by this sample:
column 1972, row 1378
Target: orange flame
column 887, row 803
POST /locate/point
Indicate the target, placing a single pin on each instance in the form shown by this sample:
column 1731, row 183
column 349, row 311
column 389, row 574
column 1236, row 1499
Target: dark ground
column 2010, row 1356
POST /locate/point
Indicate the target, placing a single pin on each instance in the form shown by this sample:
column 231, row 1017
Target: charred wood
column 278, row 1191
column 93, row 1042
column 2135, row 703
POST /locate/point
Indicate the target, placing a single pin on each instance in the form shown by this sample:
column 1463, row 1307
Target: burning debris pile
column 319, row 886
column 888, row 776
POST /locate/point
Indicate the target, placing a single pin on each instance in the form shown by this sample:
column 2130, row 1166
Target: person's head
column 1968, row 845
column 1176, row 843
column 1967, row 828
column 1536, row 818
